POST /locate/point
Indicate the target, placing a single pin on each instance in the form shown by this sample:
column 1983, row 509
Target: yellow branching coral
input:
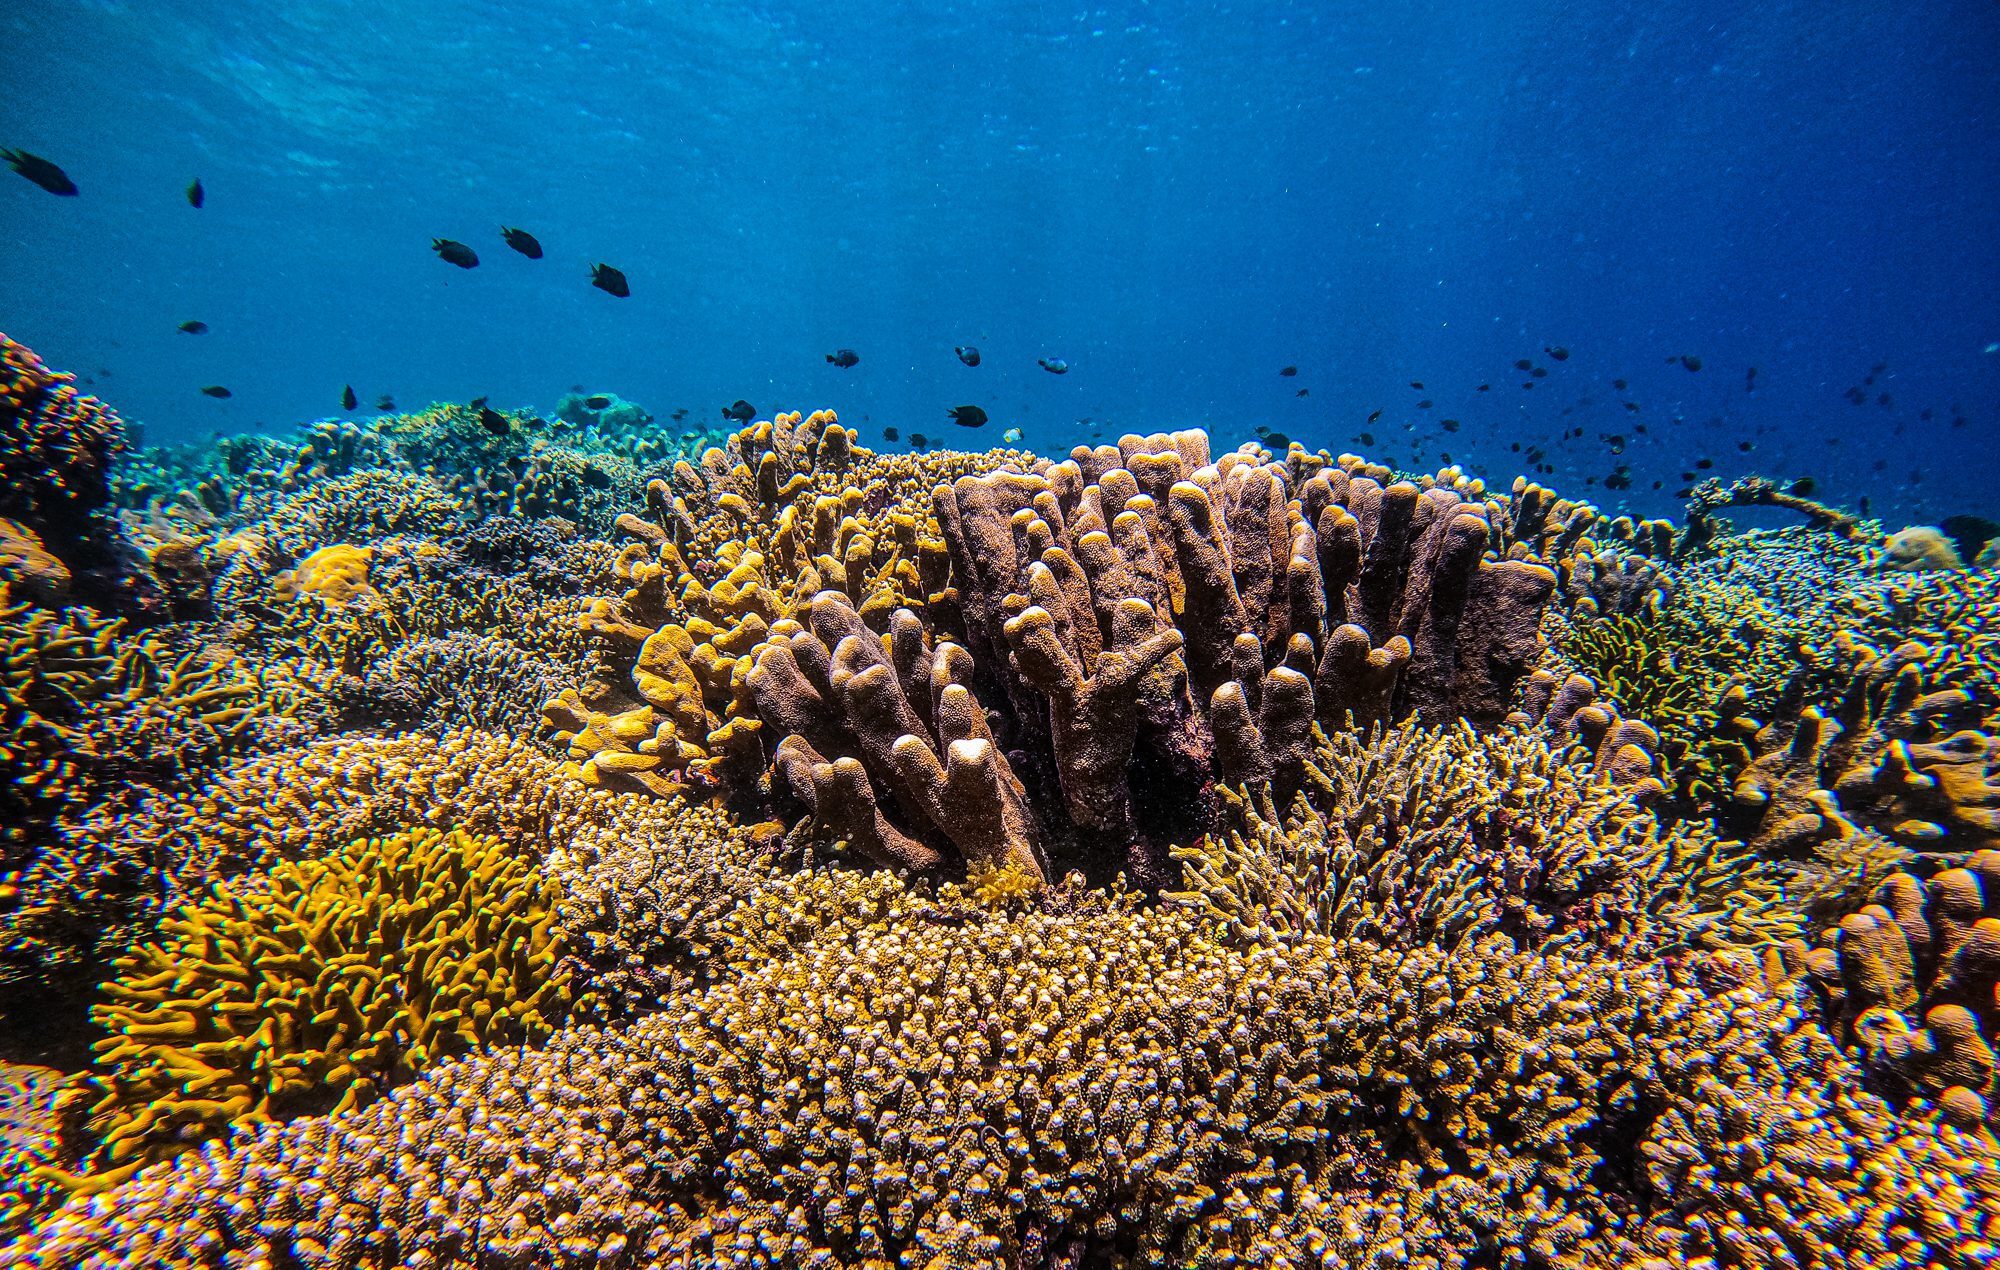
column 1440, row 836
column 320, row 985
column 336, row 574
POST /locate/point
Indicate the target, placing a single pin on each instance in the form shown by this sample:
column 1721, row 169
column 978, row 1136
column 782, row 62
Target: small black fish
column 1746, row 446
column 1864, row 504
column 1523, row 364
column 1750, row 380
column 1885, row 401
column 194, row 328
column 492, row 420
column 1484, row 388
column 843, row 358
column 1303, row 392
column 605, row 278
column 522, row 241
column 1053, row 365
column 597, row 401
column 1374, row 415
column 1804, row 486
column 1692, row 363
column 348, row 400
column 455, row 253
column 739, row 410
column 968, row 416
column 385, row 403
column 196, row 195
column 967, row 354
column 1702, row 465
column 216, row 390
column 596, row 477
column 1632, row 407
column 40, row 171
column 918, row 440
column 1277, row 441
column 679, row 415
column 1288, row 371
column 1560, row 353
column 1366, row 438
column 1540, row 372
column 1425, row 404
column 1450, row 425
column 1417, row 384
column 890, row 434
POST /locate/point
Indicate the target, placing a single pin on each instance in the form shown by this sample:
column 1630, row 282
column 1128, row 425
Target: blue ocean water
column 1177, row 200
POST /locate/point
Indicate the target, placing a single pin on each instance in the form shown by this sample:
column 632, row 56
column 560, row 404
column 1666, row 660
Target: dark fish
column 1425, row 404
column 1366, row 438
column 455, row 253
column 1750, row 380
column 679, row 415
column 596, row 477
column 1540, row 372
column 1804, row 486
column 1746, row 446
column 843, row 358
column 1277, row 441
column 1417, row 384
column 1523, row 364
column 1303, row 392
column 889, row 434
column 605, row 278
column 1691, row 363
column 1484, row 388
column 1450, row 425
column 1885, row 401
column 1053, row 365
column 216, row 390
column 1374, row 415
column 1560, row 353
column 196, row 195
column 492, row 420
column 1632, row 407
column 194, row 328
column 1619, row 384
column 1288, row 371
column 40, row 171
column 967, row 354
column 597, row 401
column 385, row 403
column 739, row 410
column 1969, row 533
column 968, row 416
column 348, row 400
column 1864, row 504
column 522, row 241
column 918, row 440
column 1702, row 465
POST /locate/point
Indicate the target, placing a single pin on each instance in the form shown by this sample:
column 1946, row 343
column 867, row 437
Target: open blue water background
column 1176, row 199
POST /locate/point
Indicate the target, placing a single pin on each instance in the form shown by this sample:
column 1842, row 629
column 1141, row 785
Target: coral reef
column 1151, row 856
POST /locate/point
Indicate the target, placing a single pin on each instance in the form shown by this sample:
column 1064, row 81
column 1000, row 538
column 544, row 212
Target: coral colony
column 465, row 838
